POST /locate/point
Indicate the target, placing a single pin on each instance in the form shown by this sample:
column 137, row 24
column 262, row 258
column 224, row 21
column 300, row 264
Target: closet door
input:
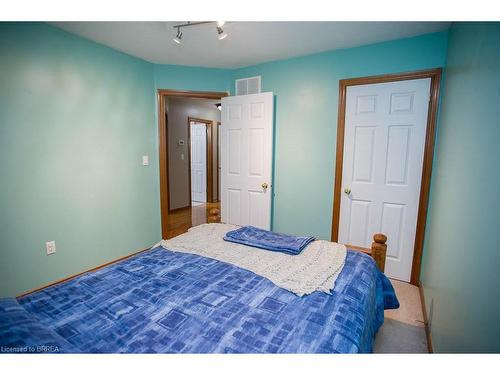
column 385, row 129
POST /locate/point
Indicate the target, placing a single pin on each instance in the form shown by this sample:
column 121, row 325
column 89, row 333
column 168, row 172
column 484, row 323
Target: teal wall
column 75, row 119
column 460, row 270
column 178, row 77
column 306, row 90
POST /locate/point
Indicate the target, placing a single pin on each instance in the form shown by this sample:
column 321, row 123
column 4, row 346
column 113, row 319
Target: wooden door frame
column 162, row 95
column 209, row 155
column 218, row 154
column 435, row 76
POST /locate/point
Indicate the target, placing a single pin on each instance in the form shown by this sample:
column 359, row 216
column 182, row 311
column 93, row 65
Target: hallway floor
column 180, row 221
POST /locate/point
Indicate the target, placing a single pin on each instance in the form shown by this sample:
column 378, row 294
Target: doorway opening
column 188, row 155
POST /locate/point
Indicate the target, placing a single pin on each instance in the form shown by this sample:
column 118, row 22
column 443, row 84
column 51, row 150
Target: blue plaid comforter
column 165, row 302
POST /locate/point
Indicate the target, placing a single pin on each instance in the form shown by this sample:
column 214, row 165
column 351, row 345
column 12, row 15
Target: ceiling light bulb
column 220, row 23
column 222, row 34
column 178, row 37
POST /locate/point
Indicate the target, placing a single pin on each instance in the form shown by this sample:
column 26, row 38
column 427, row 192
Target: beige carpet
column 397, row 337
column 410, row 311
column 403, row 330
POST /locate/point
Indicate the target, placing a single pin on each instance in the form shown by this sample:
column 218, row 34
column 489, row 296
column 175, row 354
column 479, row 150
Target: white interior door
column 198, row 162
column 385, row 128
column 246, row 159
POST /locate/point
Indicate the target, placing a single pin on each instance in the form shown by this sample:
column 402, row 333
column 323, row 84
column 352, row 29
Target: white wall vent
column 246, row 86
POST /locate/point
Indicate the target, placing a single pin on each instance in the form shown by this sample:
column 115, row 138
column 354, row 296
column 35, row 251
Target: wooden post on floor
column 214, row 215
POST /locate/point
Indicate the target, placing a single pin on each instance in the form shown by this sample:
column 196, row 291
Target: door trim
column 209, row 161
column 435, row 76
column 162, row 95
column 218, row 161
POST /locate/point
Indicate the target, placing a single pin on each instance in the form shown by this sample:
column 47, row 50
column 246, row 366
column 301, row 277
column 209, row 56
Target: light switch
column 182, row 156
column 50, row 247
column 145, row 160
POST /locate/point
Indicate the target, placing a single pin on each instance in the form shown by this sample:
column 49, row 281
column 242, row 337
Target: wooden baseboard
column 426, row 318
column 81, row 273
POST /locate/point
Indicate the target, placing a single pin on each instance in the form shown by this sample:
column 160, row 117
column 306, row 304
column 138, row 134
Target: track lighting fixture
column 178, row 37
column 219, row 24
column 221, row 34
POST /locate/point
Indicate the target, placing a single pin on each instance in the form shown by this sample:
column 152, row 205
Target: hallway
column 181, row 220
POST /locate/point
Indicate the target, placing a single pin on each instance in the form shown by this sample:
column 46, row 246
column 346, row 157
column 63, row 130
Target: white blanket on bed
column 316, row 268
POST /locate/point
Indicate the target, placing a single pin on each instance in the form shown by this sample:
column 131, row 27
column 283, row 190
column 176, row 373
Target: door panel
column 198, row 157
column 234, row 155
column 359, row 214
column 396, row 169
column 246, row 159
column 258, row 217
column 393, row 226
column 233, row 206
column 385, row 128
column 256, row 148
column 364, row 139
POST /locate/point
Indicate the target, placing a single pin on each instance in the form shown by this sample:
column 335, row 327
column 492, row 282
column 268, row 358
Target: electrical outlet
column 50, row 247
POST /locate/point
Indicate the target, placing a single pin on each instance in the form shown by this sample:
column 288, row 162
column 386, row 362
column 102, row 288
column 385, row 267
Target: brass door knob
column 264, row 185
column 347, row 191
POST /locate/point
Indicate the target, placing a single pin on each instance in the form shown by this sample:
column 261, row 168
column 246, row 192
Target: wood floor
column 180, row 221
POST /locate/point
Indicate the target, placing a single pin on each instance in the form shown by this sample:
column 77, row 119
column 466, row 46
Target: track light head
column 221, row 33
column 178, row 37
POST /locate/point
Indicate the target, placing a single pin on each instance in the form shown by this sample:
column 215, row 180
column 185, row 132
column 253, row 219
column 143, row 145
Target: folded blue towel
column 268, row 240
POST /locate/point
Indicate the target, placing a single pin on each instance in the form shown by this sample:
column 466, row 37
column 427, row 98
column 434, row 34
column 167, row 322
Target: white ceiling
column 248, row 43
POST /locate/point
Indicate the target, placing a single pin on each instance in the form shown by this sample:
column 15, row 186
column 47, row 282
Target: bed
column 160, row 301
